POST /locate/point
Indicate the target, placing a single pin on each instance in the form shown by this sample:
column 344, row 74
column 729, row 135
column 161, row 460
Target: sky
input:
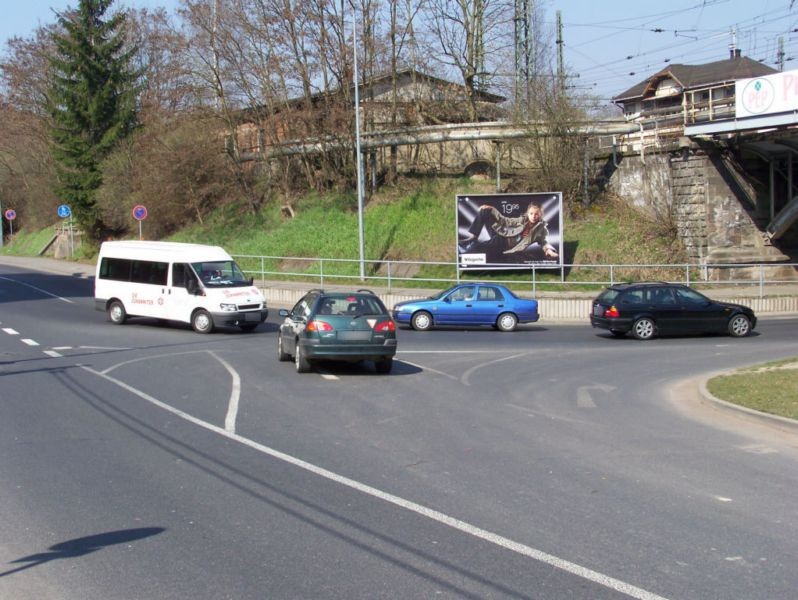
column 608, row 45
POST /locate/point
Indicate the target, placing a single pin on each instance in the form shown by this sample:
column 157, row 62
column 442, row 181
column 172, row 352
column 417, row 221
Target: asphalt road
column 147, row 461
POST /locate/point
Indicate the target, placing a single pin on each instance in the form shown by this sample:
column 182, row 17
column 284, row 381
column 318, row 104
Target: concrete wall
column 702, row 197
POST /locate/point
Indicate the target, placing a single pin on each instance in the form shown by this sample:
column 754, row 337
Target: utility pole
column 780, row 54
column 560, row 61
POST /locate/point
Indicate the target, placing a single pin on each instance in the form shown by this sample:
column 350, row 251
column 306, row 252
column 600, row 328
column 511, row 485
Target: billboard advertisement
column 509, row 231
column 766, row 95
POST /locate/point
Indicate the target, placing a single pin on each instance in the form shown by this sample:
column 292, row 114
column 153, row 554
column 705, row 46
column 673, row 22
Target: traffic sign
column 64, row 211
column 139, row 212
column 11, row 214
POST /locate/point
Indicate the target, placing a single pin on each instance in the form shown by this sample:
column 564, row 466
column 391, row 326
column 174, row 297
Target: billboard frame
column 495, row 232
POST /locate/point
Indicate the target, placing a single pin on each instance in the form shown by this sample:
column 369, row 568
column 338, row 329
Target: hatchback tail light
column 385, row 326
column 612, row 313
column 319, row 326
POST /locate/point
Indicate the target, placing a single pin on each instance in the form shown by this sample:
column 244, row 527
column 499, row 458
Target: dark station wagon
column 655, row 308
column 342, row 326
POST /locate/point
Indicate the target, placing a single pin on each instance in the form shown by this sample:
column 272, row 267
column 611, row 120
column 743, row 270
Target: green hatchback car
column 346, row 326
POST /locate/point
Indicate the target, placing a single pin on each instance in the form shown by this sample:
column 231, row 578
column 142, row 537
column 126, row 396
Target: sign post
column 66, row 213
column 139, row 213
column 11, row 214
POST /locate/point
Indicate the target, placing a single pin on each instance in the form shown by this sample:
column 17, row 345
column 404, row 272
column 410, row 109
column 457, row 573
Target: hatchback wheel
column 506, row 322
column 301, row 362
column 739, row 326
column 384, row 366
column 644, row 329
column 421, row 321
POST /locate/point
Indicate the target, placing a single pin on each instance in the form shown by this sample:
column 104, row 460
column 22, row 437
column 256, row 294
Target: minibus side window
column 180, row 274
column 149, row 272
column 115, row 269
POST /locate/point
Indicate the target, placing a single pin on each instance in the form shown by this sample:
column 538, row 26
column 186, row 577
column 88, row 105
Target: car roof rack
column 365, row 291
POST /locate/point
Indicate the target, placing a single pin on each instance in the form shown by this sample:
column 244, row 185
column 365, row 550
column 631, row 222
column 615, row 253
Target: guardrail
column 759, row 278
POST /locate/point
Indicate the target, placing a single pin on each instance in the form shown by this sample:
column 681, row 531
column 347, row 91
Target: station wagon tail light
column 319, row 326
column 612, row 313
column 385, row 326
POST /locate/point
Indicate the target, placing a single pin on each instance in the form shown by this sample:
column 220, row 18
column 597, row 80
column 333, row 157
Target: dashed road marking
column 10, row 331
column 53, row 354
column 29, row 342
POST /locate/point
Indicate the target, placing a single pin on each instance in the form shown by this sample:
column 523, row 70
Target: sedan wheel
column 739, row 326
column 421, row 321
column 506, row 322
column 644, row 329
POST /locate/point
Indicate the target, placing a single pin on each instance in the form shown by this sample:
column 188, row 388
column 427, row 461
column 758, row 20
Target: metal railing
column 757, row 278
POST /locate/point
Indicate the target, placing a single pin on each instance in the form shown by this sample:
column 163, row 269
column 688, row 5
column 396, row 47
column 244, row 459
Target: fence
column 759, row 279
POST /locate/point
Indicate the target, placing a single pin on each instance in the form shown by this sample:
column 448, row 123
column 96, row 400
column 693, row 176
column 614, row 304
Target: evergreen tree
column 92, row 102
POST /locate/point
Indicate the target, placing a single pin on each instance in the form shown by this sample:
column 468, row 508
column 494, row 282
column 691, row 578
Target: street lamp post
column 357, row 153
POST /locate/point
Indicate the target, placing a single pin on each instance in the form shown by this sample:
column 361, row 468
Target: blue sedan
column 468, row 304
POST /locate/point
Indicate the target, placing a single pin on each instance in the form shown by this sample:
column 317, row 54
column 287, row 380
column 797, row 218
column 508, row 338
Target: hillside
column 411, row 221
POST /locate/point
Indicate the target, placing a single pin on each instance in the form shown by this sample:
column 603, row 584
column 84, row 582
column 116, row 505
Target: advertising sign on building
column 767, row 95
column 509, row 231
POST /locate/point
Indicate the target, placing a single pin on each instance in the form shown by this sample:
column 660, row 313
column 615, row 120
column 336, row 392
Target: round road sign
column 139, row 212
column 11, row 214
column 64, row 211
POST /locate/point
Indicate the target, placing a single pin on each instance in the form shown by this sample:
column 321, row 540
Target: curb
column 779, row 422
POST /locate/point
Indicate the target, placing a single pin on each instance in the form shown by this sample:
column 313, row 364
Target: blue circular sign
column 64, row 211
column 139, row 212
column 11, row 214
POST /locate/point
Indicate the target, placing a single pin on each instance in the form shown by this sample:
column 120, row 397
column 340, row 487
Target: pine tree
column 92, row 102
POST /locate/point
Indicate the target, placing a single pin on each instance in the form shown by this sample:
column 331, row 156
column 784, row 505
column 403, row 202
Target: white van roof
column 163, row 251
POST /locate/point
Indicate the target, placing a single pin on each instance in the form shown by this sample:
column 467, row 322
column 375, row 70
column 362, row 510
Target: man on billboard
column 502, row 235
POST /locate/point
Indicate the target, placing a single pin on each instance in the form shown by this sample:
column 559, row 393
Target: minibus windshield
column 220, row 274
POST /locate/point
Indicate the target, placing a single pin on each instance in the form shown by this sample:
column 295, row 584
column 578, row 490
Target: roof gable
column 694, row 76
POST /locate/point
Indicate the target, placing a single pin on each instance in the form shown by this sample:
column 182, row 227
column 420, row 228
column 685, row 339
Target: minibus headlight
column 228, row 307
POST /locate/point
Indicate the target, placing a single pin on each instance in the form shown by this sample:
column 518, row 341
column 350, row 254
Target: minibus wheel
column 116, row 312
column 202, row 322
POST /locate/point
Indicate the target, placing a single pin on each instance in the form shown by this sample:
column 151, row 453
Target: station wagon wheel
column 201, row 321
column 116, row 312
column 506, row 322
column 301, row 362
column 644, row 329
column 384, row 366
column 739, row 326
column 282, row 355
column 421, row 321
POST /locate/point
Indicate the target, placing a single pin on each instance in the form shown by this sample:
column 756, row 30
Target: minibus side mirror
column 191, row 286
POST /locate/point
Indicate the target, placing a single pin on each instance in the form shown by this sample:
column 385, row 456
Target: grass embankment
column 770, row 388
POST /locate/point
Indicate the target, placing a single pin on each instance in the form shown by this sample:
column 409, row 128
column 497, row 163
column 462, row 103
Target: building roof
column 695, row 76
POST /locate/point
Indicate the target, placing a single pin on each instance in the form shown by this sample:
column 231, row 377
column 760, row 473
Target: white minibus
column 191, row 283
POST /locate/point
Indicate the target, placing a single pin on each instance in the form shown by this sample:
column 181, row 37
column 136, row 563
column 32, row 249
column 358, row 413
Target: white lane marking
column 10, row 331
column 430, row 369
column 449, row 351
column 235, row 394
column 465, row 377
column 29, row 342
column 62, row 347
column 723, row 499
column 53, row 354
column 33, row 287
column 329, row 376
column 498, row 540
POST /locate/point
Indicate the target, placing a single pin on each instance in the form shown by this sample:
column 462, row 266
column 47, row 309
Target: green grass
column 27, row 243
column 771, row 387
